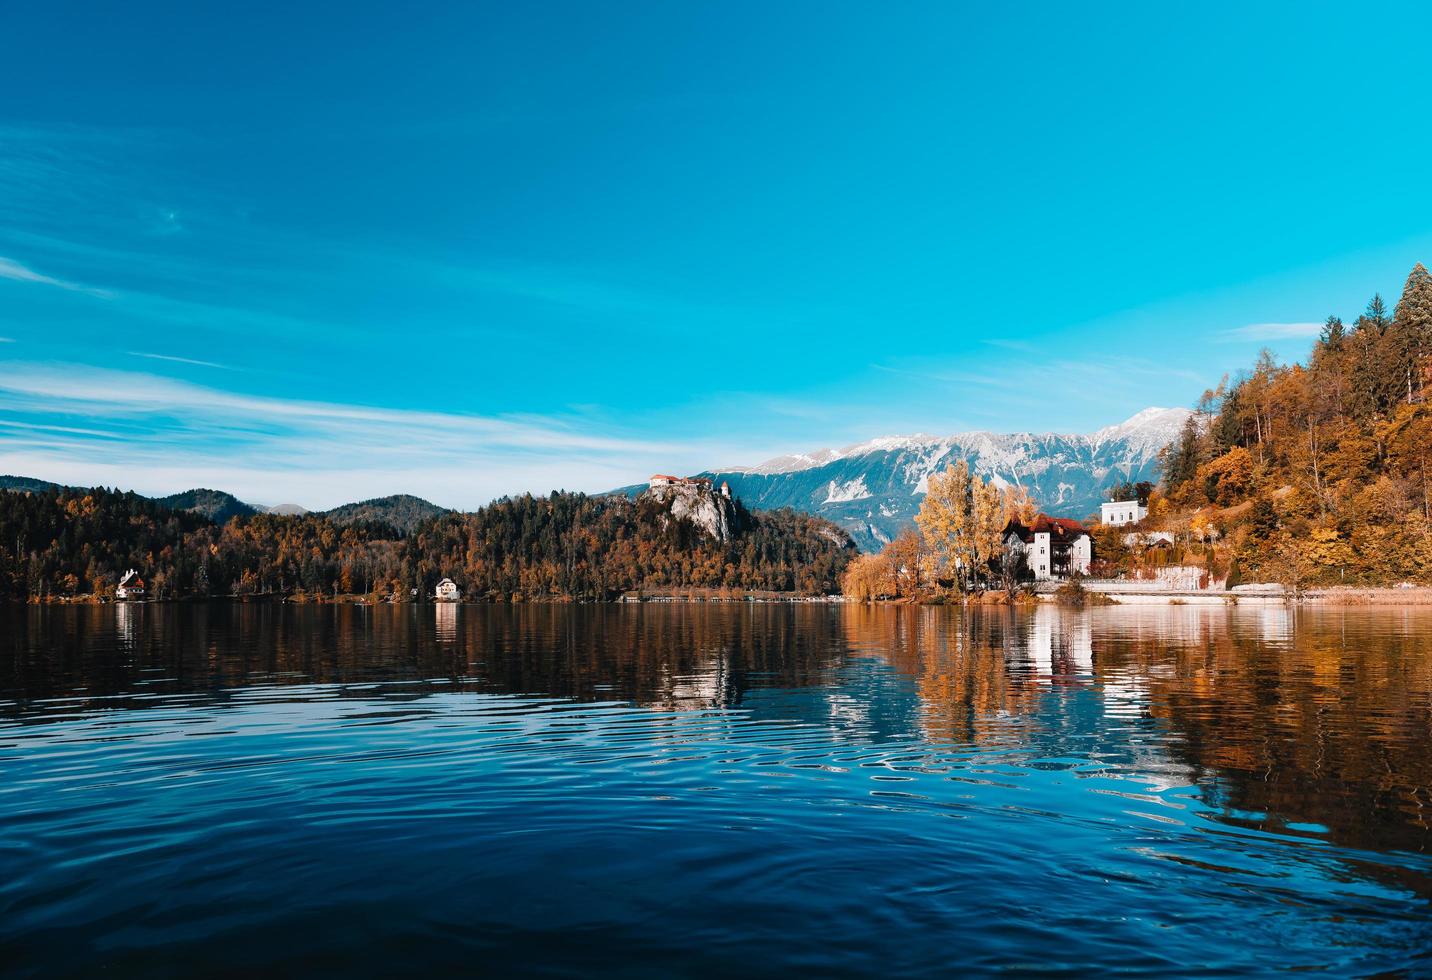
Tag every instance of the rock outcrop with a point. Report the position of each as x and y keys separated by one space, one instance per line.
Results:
x=697 y=501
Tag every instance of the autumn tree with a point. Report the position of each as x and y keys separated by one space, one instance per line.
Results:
x=945 y=520
x=867 y=578
x=1321 y=467
x=906 y=558
x=987 y=524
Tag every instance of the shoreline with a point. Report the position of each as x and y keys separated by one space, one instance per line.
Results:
x=1121 y=593
x=1109 y=593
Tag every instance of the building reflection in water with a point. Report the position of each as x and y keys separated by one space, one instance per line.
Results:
x=125 y=626
x=445 y=622
x=1316 y=715
x=1059 y=644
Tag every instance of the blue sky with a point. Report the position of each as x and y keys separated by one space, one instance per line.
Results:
x=461 y=250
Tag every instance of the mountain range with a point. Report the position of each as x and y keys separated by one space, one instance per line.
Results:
x=401 y=511
x=873 y=489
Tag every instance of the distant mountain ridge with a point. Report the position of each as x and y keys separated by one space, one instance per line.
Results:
x=216 y=505
x=26 y=483
x=873 y=489
x=402 y=511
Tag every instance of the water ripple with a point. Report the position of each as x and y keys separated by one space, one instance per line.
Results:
x=648 y=792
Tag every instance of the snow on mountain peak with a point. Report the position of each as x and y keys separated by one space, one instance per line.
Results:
x=874 y=488
x=1146 y=431
x=1151 y=428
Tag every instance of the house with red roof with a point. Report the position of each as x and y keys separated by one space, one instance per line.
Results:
x=1053 y=547
x=130 y=587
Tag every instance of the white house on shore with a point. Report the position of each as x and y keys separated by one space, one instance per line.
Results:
x=1118 y=512
x=131 y=586
x=447 y=591
x=1054 y=547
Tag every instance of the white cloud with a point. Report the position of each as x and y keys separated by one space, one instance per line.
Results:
x=1274 y=331
x=10 y=269
x=83 y=425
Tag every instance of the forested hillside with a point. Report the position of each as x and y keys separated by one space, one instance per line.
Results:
x=216 y=505
x=69 y=543
x=402 y=511
x=595 y=547
x=1313 y=472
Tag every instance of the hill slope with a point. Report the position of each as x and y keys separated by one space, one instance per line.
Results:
x=216 y=505
x=402 y=511
x=26 y=483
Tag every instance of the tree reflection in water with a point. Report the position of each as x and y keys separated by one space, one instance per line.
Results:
x=1311 y=716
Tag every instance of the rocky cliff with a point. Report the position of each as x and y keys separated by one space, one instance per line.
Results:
x=698 y=502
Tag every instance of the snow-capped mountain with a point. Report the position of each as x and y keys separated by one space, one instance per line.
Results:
x=873 y=489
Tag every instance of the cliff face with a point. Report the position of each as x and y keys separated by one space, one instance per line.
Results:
x=698 y=503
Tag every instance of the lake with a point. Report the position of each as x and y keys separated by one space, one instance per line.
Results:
x=701 y=790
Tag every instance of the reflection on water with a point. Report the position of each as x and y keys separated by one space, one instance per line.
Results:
x=667 y=788
x=445 y=619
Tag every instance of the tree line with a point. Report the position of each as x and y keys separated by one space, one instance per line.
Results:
x=1313 y=473
x=64 y=543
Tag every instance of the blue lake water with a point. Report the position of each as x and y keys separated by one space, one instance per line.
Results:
x=702 y=790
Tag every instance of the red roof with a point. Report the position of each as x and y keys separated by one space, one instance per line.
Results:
x=1060 y=528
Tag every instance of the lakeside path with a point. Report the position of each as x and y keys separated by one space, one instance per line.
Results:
x=1154 y=593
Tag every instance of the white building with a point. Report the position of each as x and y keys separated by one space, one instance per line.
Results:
x=667 y=480
x=131 y=586
x=1054 y=547
x=1119 y=512
x=447 y=591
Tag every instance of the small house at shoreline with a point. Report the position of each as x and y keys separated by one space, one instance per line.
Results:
x=1053 y=547
x=130 y=587
x=447 y=591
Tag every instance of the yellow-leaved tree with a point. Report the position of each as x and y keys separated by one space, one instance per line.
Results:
x=988 y=507
x=1019 y=505
x=962 y=520
x=868 y=578
x=944 y=519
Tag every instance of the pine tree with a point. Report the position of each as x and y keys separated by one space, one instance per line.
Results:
x=1334 y=332
x=1377 y=313
x=1412 y=322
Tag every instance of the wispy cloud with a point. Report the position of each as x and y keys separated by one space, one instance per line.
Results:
x=7 y=340
x=85 y=425
x=1273 y=331
x=180 y=360
x=10 y=269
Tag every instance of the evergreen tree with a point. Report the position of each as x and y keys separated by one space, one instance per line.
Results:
x=1412 y=322
x=1376 y=313
x=1180 y=459
x=1334 y=333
